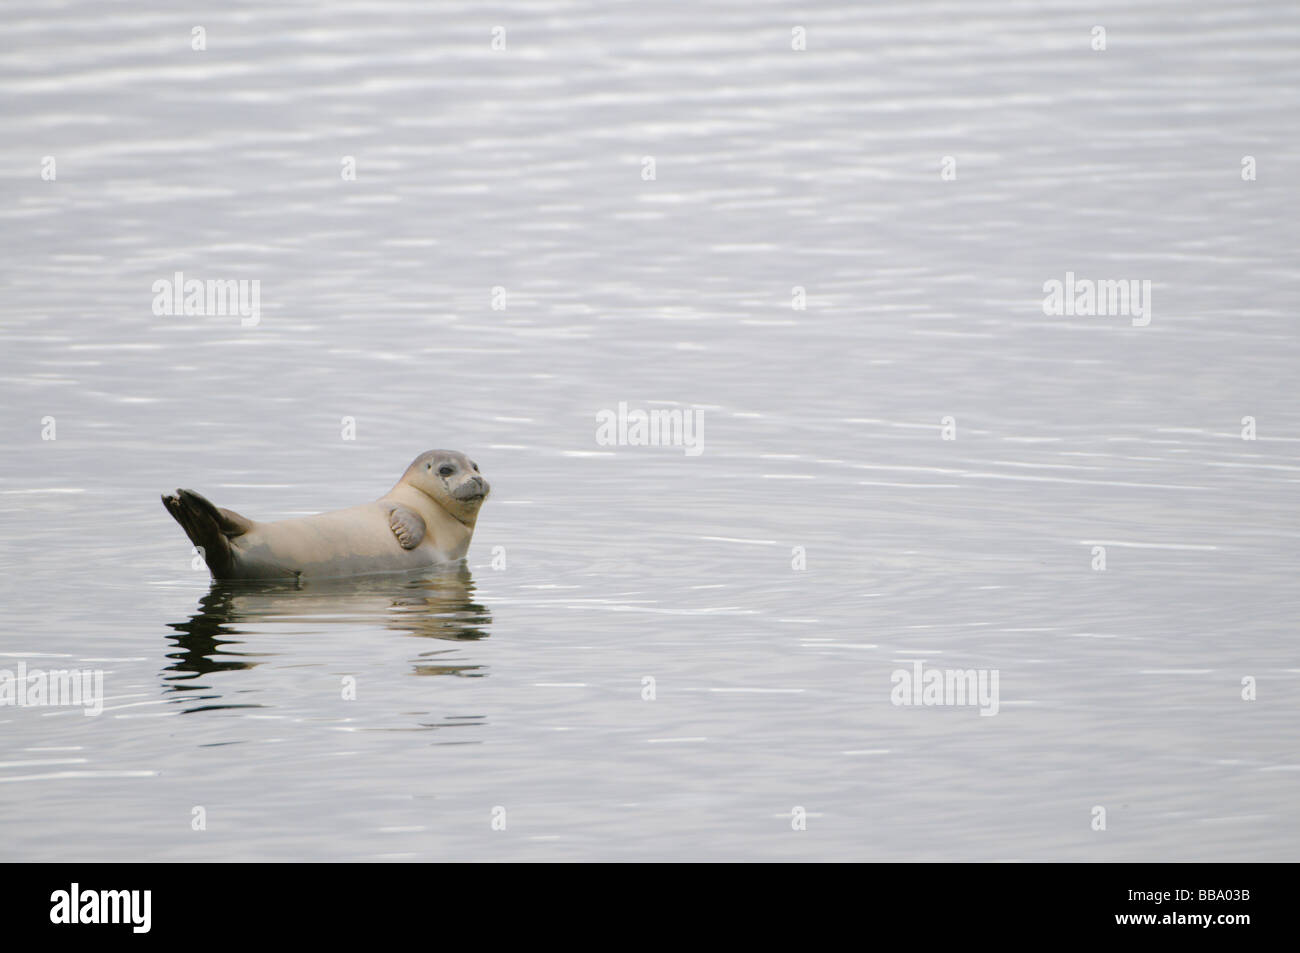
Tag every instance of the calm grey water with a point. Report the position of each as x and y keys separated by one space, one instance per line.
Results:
x=519 y=685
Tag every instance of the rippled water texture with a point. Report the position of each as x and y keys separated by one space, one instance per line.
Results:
x=519 y=689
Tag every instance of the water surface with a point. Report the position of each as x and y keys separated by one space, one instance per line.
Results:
x=519 y=682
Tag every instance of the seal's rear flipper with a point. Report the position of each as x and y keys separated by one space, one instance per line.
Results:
x=209 y=527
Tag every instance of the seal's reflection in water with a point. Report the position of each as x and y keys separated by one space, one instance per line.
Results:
x=434 y=605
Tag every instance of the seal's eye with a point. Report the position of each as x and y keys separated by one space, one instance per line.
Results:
x=446 y=470
x=474 y=465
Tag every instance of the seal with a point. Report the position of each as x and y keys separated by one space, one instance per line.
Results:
x=427 y=519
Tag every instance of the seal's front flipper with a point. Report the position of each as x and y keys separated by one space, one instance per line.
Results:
x=407 y=525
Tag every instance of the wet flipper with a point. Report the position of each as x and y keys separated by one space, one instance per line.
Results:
x=209 y=527
x=407 y=525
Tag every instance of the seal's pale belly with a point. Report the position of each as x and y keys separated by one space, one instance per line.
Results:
x=346 y=542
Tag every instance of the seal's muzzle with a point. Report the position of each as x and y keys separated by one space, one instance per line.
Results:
x=474 y=488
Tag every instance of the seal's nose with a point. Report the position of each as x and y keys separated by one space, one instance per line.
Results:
x=473 y=486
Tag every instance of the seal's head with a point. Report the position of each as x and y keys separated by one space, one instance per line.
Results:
x=452 y=480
